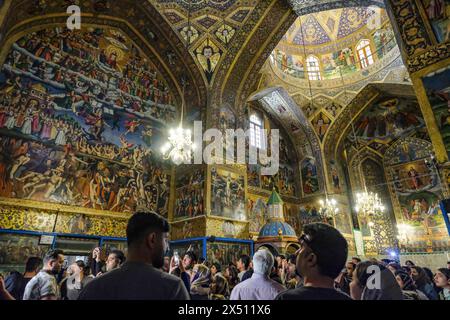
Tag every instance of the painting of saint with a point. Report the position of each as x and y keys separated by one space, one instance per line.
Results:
x=208 y=55
x=257 y=210
x=309 y=176
x=227 y=194
x=321 y=124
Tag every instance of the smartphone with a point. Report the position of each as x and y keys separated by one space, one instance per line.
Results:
x=176 y=258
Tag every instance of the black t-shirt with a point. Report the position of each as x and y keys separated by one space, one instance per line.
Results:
x=135 y=281
x=312 y=293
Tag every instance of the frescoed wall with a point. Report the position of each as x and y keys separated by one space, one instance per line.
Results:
x=81 y=117
x=227 y=194
x=190 y=188
x=437 y=87
x=416 y=194
x=438 y=14
x=310 y=181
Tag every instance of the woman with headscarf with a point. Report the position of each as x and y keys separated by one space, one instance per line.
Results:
x=231 y=274
x=373 y=281
x=423 y=283
x=409 y=289
x=219 y=288
x=200 y=281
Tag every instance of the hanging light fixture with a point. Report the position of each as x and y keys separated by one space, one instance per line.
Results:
x=179 y=147
x=328 y=208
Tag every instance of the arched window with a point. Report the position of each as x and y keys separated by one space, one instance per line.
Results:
x=312 y=64
x=364 y=53
x=257 y=138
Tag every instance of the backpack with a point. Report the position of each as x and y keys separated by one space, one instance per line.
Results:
x=14 y=284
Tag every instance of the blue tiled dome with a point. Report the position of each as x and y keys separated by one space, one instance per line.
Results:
x=271 y=229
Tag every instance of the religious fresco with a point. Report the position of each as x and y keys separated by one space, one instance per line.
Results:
x=384 y=40
x=335 y=177
x=283 y=181
x=310 y=180
x=81 y=115
x=226 y=252
x=437 y=88
x=321 y=123
x=309 y=213
x=208 y=55
x=257 y=212
x=188 y=229
x=15 y=249
x=438 y=13
x=227 y=194
x=291 y=216
x=389 y=119
x=190 y=197
x=416 y=191
x=181 y=248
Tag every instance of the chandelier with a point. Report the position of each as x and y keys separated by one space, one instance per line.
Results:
x=179 y=147
x=328 y=208
x=368 y=204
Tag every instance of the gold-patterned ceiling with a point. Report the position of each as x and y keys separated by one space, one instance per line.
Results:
x=207 y=27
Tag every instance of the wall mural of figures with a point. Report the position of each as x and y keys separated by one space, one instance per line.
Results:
x=227 y=194
x=309 y=213
x=190 y=193
x=384 y=40
x=416 y=191
x=310 y=181
x=81 y=115
x=257 y=212
x=336 y=177
x=388 y=119
x=226 y=252
x=284 y=181
x=291 y=216
x=438 y=13
x=321 y=123
x=437 y=86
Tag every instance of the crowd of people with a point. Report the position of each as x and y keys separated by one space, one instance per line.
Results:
x=319 y=270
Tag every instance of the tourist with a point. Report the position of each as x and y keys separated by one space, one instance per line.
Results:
x=16 y=282
x=216 y=268
x=345 y=277
x=4 y=294
x=321 y=257
x=200 y=282
x=290 y=278
x=189 y=260
x=97 y=264
x=43 y=286
x=219 y=288
x=409 y=263
x=373 y=281
x=275 y=274
x=259 y=286
x=139 y=278
x=231 y=274
x=356 y=260
x=423 y=283
x=115 y=259
x=409 y=289
x=243 y=265
x=79 y=278
x=442 y=281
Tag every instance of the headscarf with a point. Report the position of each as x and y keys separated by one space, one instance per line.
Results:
x=200 y=282
x=220 y=287
x=408 y=282
x=388 y=289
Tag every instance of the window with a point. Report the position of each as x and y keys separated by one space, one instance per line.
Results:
x=312 y=64
x=257 y=132
x=364 y=53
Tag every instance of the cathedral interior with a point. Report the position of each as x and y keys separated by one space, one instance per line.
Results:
x=358 y=90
